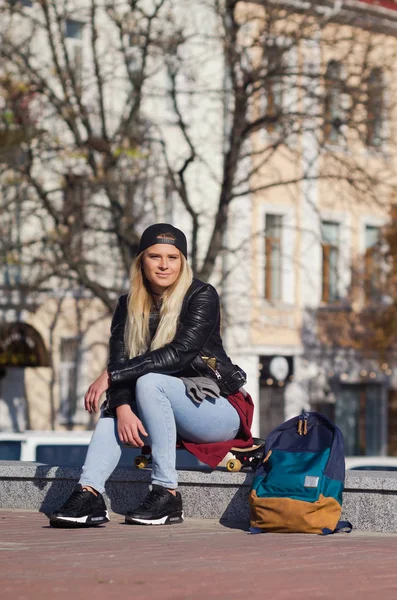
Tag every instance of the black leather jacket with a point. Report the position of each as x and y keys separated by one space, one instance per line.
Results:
x=195 y=351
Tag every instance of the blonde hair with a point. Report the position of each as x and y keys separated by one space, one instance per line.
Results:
x=140 y=303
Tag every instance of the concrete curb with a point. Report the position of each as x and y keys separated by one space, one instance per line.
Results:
x=370 y=498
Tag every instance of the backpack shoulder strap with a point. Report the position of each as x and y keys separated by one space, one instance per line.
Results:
x=344 y=526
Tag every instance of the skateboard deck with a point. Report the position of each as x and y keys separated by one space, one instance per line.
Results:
x=243 y=457
x=246 y=457
x=249 y=449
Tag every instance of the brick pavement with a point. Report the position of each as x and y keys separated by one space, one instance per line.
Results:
x=200 y=559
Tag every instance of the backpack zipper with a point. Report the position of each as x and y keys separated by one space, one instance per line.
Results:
x=302 y=423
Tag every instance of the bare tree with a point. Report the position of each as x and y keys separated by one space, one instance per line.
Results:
x=79 y=172
x=306 y=102
x=88 y=159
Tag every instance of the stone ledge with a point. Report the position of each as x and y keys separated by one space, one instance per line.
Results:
x=370 y=498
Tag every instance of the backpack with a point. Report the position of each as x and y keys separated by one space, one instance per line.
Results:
x=298 y=486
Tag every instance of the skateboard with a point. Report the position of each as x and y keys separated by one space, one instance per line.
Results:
x=143 y=460
x=243 y=457
x=246 y=457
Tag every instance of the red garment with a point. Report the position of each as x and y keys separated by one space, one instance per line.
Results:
x=213 y=453
x=390 y=4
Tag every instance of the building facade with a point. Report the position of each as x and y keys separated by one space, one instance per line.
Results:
x=316 y=245
x=303 y=242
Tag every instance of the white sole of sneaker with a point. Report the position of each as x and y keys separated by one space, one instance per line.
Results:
x=98 y=520
x=168 y=520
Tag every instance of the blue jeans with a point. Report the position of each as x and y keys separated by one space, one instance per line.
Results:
x=165 y=410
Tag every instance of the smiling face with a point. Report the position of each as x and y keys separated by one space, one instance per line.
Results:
x=161 y=264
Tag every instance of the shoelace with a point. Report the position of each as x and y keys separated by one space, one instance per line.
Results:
x=74 y=500
x=151 y=499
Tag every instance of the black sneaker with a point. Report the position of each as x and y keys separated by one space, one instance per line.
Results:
x=160 y=507
x=81 y=509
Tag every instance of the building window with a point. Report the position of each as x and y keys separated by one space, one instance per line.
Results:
x=273 y=229
x=77 y=64
x=274 y=93
x=73 y=212
x=68 y=377
x=74 y=29
x=74 y=32
x=11 y=223
x=330 y=249
x=360 y=412
x=23 y=2
x=375 y=108
x=333 y=108
x=134 y=54
x=372 y=264
x=12 y=273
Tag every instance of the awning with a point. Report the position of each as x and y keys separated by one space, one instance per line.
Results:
x=22 y=346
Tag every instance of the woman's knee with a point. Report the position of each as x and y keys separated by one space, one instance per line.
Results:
x=150 y=381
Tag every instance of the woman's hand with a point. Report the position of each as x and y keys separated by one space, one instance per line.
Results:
x=95 y=391
x=129 y=426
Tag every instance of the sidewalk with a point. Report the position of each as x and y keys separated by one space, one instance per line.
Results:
x=199 y=559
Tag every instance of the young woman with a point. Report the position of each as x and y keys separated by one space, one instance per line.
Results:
x=168 y=375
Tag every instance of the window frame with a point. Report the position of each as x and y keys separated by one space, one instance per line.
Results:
x=79 y=36
x=372 y=254
x=371 y=221
x=376 y=106
x=344 y=268
x=270 y=243
x=274 y=89
x=66 y=416
x=327 y=248
x=74 y=207
x=25 y=3
x=332 y=135
x=288 y=243
x=286 y=82
x=75 y=52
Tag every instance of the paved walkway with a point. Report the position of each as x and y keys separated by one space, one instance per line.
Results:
x=199 y=559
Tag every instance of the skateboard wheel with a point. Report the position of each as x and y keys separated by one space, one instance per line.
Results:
x=233 y=465
x=141 y=462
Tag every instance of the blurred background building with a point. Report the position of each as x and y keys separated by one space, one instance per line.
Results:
x=266 y=130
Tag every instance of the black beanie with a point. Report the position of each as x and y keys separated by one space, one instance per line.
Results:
x=150 y=237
